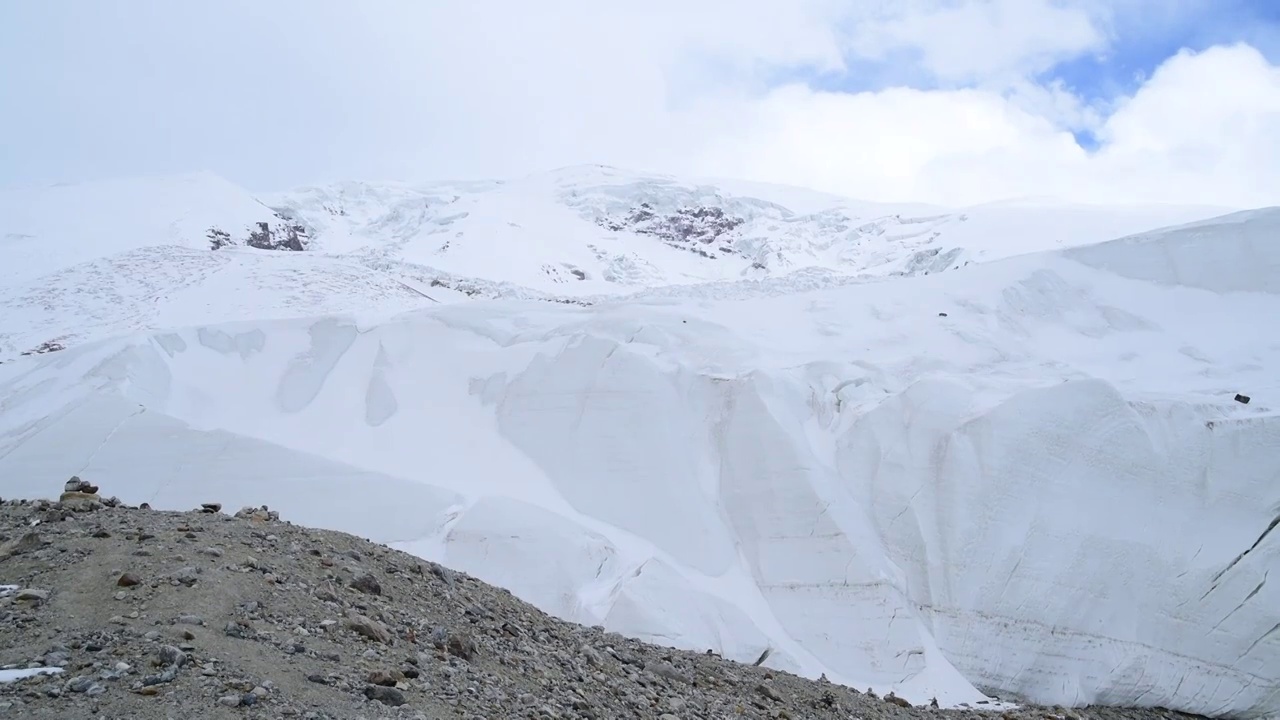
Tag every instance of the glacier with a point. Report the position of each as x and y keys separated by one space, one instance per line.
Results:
x=1027 y=477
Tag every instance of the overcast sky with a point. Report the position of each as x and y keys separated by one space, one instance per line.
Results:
x=950 y=101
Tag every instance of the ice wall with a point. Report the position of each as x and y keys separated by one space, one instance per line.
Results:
x=1046 y=491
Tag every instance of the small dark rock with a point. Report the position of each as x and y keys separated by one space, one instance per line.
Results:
x=80 y=684
x=128 y=580
x=385 y=695
x=187 y=575
x=210 y=507
x=367 y=584
x=767 y=691
x=75 y=484
x=1242 y=399
x=171 y=656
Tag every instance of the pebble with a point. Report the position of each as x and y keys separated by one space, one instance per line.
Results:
x=229 y=700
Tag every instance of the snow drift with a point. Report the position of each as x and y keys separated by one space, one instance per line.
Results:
x=1028 y=476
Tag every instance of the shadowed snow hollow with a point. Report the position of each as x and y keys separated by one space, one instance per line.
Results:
x=1029 y=475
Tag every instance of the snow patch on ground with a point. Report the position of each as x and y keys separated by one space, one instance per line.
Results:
x=8 y=676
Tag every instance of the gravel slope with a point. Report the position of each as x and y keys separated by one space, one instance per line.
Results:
x=204 y=614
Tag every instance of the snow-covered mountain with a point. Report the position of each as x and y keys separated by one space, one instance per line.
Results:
x=82 y=262
x=1029 y=474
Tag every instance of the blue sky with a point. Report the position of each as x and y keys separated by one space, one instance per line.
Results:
x=1144 y=41
x=1141 y=36
x=807 y=92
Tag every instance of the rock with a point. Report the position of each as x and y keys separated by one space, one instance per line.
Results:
x=210 y=507
x=669 y=671
x=385 y=695
x=367 y=584
x=29 y=542
x=1242 y=399
x=190 y=620
x=381 y=677
x=80 y=502
x=229 y=700
x=32 y=595
x=80 y=684
x=248 y=699
x=185 y=575
x=128 y=580
x=768 y=691
x=57 y=659
x=239 y=629
x=262 y=514
x=76 y=485
x=212 y=552
x=460 y=645
x=171 y=656
x=369 y=628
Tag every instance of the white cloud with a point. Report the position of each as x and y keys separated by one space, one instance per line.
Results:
x=1204 y=129
x=297 y=91
x=981 y=41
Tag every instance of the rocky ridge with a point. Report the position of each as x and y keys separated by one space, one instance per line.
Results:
x=703 y=229
x=285 y=235
x=111 y=611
